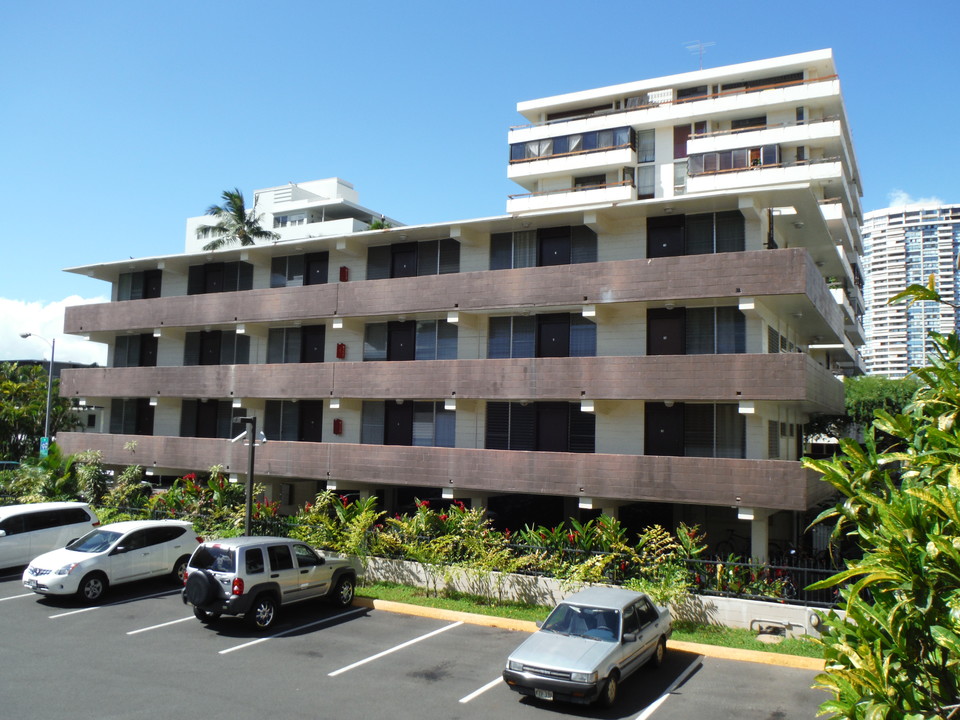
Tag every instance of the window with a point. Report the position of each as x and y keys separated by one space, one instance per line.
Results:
x=410 y=340
x=546 y=246
x=216 y=347
x=424 y=424
x=280 y=557
x=674 y=235
x=751 y=123
x=253 y=559
x=714 y=431
x=139 y=285
x=594 y=141
x=135 y=351
x=219 y=277
x=210 y=419
x=296 y=345
x=589 y=182
x=541 y=335
x=720 y=330
x=431 y=257
x=646 y=146
x=542 y=426
x=293 y=421
x=305 y=556
x=131 y=417
x=762 y=83
x=738 y=159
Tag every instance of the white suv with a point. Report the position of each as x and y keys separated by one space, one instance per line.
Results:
x=254 y=576
x=113 y=554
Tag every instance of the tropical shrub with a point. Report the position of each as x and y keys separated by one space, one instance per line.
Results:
x=896 y=653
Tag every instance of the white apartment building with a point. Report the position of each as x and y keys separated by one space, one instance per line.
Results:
x=644 y=332
x=904 y=246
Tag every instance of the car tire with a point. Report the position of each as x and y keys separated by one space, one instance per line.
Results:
x=344 y=590
x=656 y=660
x=199 y=588
x=608 y=696
x=92 y=587
x=180 y=568
x=205 y=616
x=263 y=612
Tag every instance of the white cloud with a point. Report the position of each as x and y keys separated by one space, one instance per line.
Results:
x=898 y=197
x=46 y=321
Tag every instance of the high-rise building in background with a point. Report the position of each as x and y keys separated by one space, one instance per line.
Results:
x=904 y=246
x=644 y=332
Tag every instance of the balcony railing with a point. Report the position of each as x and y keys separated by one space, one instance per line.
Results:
x=676 y=101
x=755 y=128
x=757 y=166
x=578 y=188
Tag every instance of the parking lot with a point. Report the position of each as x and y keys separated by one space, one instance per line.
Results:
x=141 y=653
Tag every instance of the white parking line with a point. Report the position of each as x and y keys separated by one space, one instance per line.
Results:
x=652 y=707
x=161 y=625
x=122 y=602
x=358 y=611
x=76 y=612
x=393 y=649
x=481 y=691
x=14 y=597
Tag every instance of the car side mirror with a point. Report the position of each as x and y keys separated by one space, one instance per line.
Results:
x=629 y=637
x=119 y=550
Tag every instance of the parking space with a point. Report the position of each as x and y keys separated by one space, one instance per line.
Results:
x=142 y=650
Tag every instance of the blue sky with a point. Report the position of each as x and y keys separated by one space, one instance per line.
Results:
x=121 y=119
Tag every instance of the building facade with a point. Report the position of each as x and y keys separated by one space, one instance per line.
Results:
x=904 y=246
x=644 y=332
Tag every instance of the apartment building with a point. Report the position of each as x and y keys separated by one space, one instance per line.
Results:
x=644 y=332
x=904 y=246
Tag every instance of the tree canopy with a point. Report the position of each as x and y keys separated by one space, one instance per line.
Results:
x=23 y=407
x=235 y=224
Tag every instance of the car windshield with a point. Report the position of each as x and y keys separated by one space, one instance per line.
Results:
x=214 y=557
x=94 y=541
x=584 y=621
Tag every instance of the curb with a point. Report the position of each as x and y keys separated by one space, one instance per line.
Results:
x=714 y=651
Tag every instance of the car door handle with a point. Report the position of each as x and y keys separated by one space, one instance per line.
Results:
x=275 y=575
x=305 y=571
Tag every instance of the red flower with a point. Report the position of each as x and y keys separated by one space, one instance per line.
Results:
x=308 y=506
x=444 y=517
x=344 y=500
x=571 y=537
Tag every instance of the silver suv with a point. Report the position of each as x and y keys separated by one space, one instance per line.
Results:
x=254 y=576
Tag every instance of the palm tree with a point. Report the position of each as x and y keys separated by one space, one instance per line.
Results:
x=234 y=223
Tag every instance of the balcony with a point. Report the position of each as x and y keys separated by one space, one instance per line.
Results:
x=712 y=481
x=826 y=133
x=572 y=197
x=784 y=277
x=571 y=163
x=785 y=377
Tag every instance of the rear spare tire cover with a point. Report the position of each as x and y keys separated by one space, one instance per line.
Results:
x=199 y=587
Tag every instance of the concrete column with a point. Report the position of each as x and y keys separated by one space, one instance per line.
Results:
x=759 y=531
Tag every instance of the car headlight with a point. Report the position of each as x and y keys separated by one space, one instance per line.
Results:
x=515 y=665
x=583 y=677
x=66 y=569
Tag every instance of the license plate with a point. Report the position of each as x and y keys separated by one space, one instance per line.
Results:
x=31 y=583
x=543 y=694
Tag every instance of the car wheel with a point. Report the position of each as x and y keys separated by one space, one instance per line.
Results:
x=92 y=587
x=180 y=568
x=660 y=653
x=343 y=592
x=199 y=588
x=263 y=612
x=204 y=616
x=608 y=696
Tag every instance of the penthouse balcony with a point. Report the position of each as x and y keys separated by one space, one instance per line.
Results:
x=771 y=484
x=788 y=378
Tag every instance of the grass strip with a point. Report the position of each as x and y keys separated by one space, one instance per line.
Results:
x=687 y=632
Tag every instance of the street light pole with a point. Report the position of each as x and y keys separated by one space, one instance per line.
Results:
x=251 y=423
x=53 y=350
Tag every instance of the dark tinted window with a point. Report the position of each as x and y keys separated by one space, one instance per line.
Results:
x=158 y=535
x=12 y=525
x=211 y=557
x=305 y=556
x=280 y=557
x=254 y=561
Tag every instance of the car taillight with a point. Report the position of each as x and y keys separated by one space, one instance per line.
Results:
x=185 y=573
x=238 y=586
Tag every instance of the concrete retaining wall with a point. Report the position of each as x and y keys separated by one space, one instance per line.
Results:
x=730 y=612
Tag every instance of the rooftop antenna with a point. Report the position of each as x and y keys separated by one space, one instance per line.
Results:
x=698 y=46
